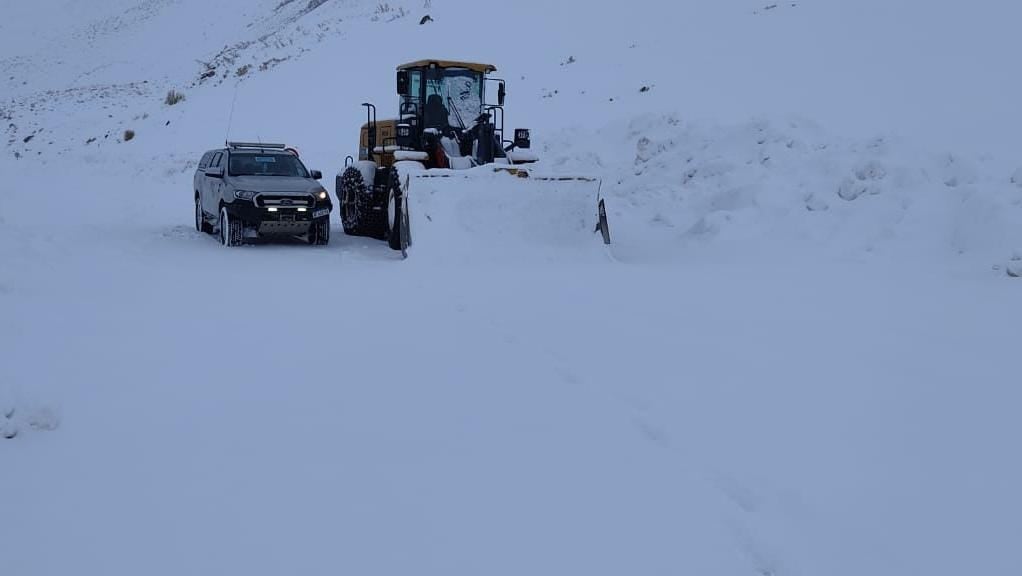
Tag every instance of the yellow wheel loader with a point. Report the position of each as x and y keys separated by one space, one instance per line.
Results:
x=446 y=128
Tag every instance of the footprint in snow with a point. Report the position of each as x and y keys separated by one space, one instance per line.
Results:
x=652 y=432
x=816 y=204
x=1016 y=178
x=13 y=421
x=739 y=494
x=43 y=419
x=8 y=428
x=1014 y=267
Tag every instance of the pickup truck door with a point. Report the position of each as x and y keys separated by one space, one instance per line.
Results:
x=199 y=180
x=211 y=189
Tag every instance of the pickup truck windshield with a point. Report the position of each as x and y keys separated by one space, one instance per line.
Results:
x=267 y=165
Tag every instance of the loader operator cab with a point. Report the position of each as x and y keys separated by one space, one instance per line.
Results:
x=444 y=112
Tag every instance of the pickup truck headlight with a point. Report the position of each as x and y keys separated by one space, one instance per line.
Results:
x=322 y=195
x=244 y=194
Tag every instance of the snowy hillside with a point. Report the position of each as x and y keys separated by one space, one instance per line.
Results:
x=797 y=358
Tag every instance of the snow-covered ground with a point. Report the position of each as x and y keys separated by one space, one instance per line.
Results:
x=798 y=357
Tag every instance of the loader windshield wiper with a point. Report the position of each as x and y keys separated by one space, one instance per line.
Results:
x=457 y=113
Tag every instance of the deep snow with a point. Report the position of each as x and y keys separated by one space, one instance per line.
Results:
x=798 y=357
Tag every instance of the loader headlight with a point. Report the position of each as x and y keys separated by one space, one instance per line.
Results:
x=523 y=138
x=404 y=135
x=244 y=194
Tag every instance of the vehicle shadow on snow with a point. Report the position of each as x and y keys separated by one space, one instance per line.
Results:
x=340 y=243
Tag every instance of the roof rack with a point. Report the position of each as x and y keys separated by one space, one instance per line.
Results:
x=256 y=145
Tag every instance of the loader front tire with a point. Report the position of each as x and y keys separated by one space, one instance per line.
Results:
x=352 y=192
x=394 y=215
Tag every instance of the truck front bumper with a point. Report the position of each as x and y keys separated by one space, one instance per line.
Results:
x=279 y=221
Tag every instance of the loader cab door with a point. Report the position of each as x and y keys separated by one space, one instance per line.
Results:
x=434 y=105
x=411 y=97
x=410 y=107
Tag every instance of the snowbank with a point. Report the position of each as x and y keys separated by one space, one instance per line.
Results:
x=774 y=188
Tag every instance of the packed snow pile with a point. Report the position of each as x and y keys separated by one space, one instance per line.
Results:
x=790 y=186
x=483 y=216
x=679 y=190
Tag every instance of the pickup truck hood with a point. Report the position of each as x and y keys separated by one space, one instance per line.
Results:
x=275 y=184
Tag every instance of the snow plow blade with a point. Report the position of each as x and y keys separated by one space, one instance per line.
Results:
x=503 y=207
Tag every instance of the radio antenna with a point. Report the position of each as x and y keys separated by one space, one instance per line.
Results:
x=230 y=119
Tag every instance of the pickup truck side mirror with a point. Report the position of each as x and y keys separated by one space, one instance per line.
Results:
x=316 y=174
x=215 y=172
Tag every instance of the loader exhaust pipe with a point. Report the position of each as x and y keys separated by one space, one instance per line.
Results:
x=371 y=122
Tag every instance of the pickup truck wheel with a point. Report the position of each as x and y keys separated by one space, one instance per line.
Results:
x=319 y=235
x=230 y=229
x=200 y=219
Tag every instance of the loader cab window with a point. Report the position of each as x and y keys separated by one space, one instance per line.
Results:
x=454 y=97
x=415 y=84
x=411 y=104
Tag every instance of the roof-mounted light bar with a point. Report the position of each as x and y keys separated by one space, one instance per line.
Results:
x=256 y=145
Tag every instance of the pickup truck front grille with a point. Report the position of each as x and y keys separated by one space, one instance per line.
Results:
x=285 y=200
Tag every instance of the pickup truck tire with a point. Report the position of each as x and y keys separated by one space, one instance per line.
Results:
x=200 y=219
x=319 y=234
x=230 y=230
